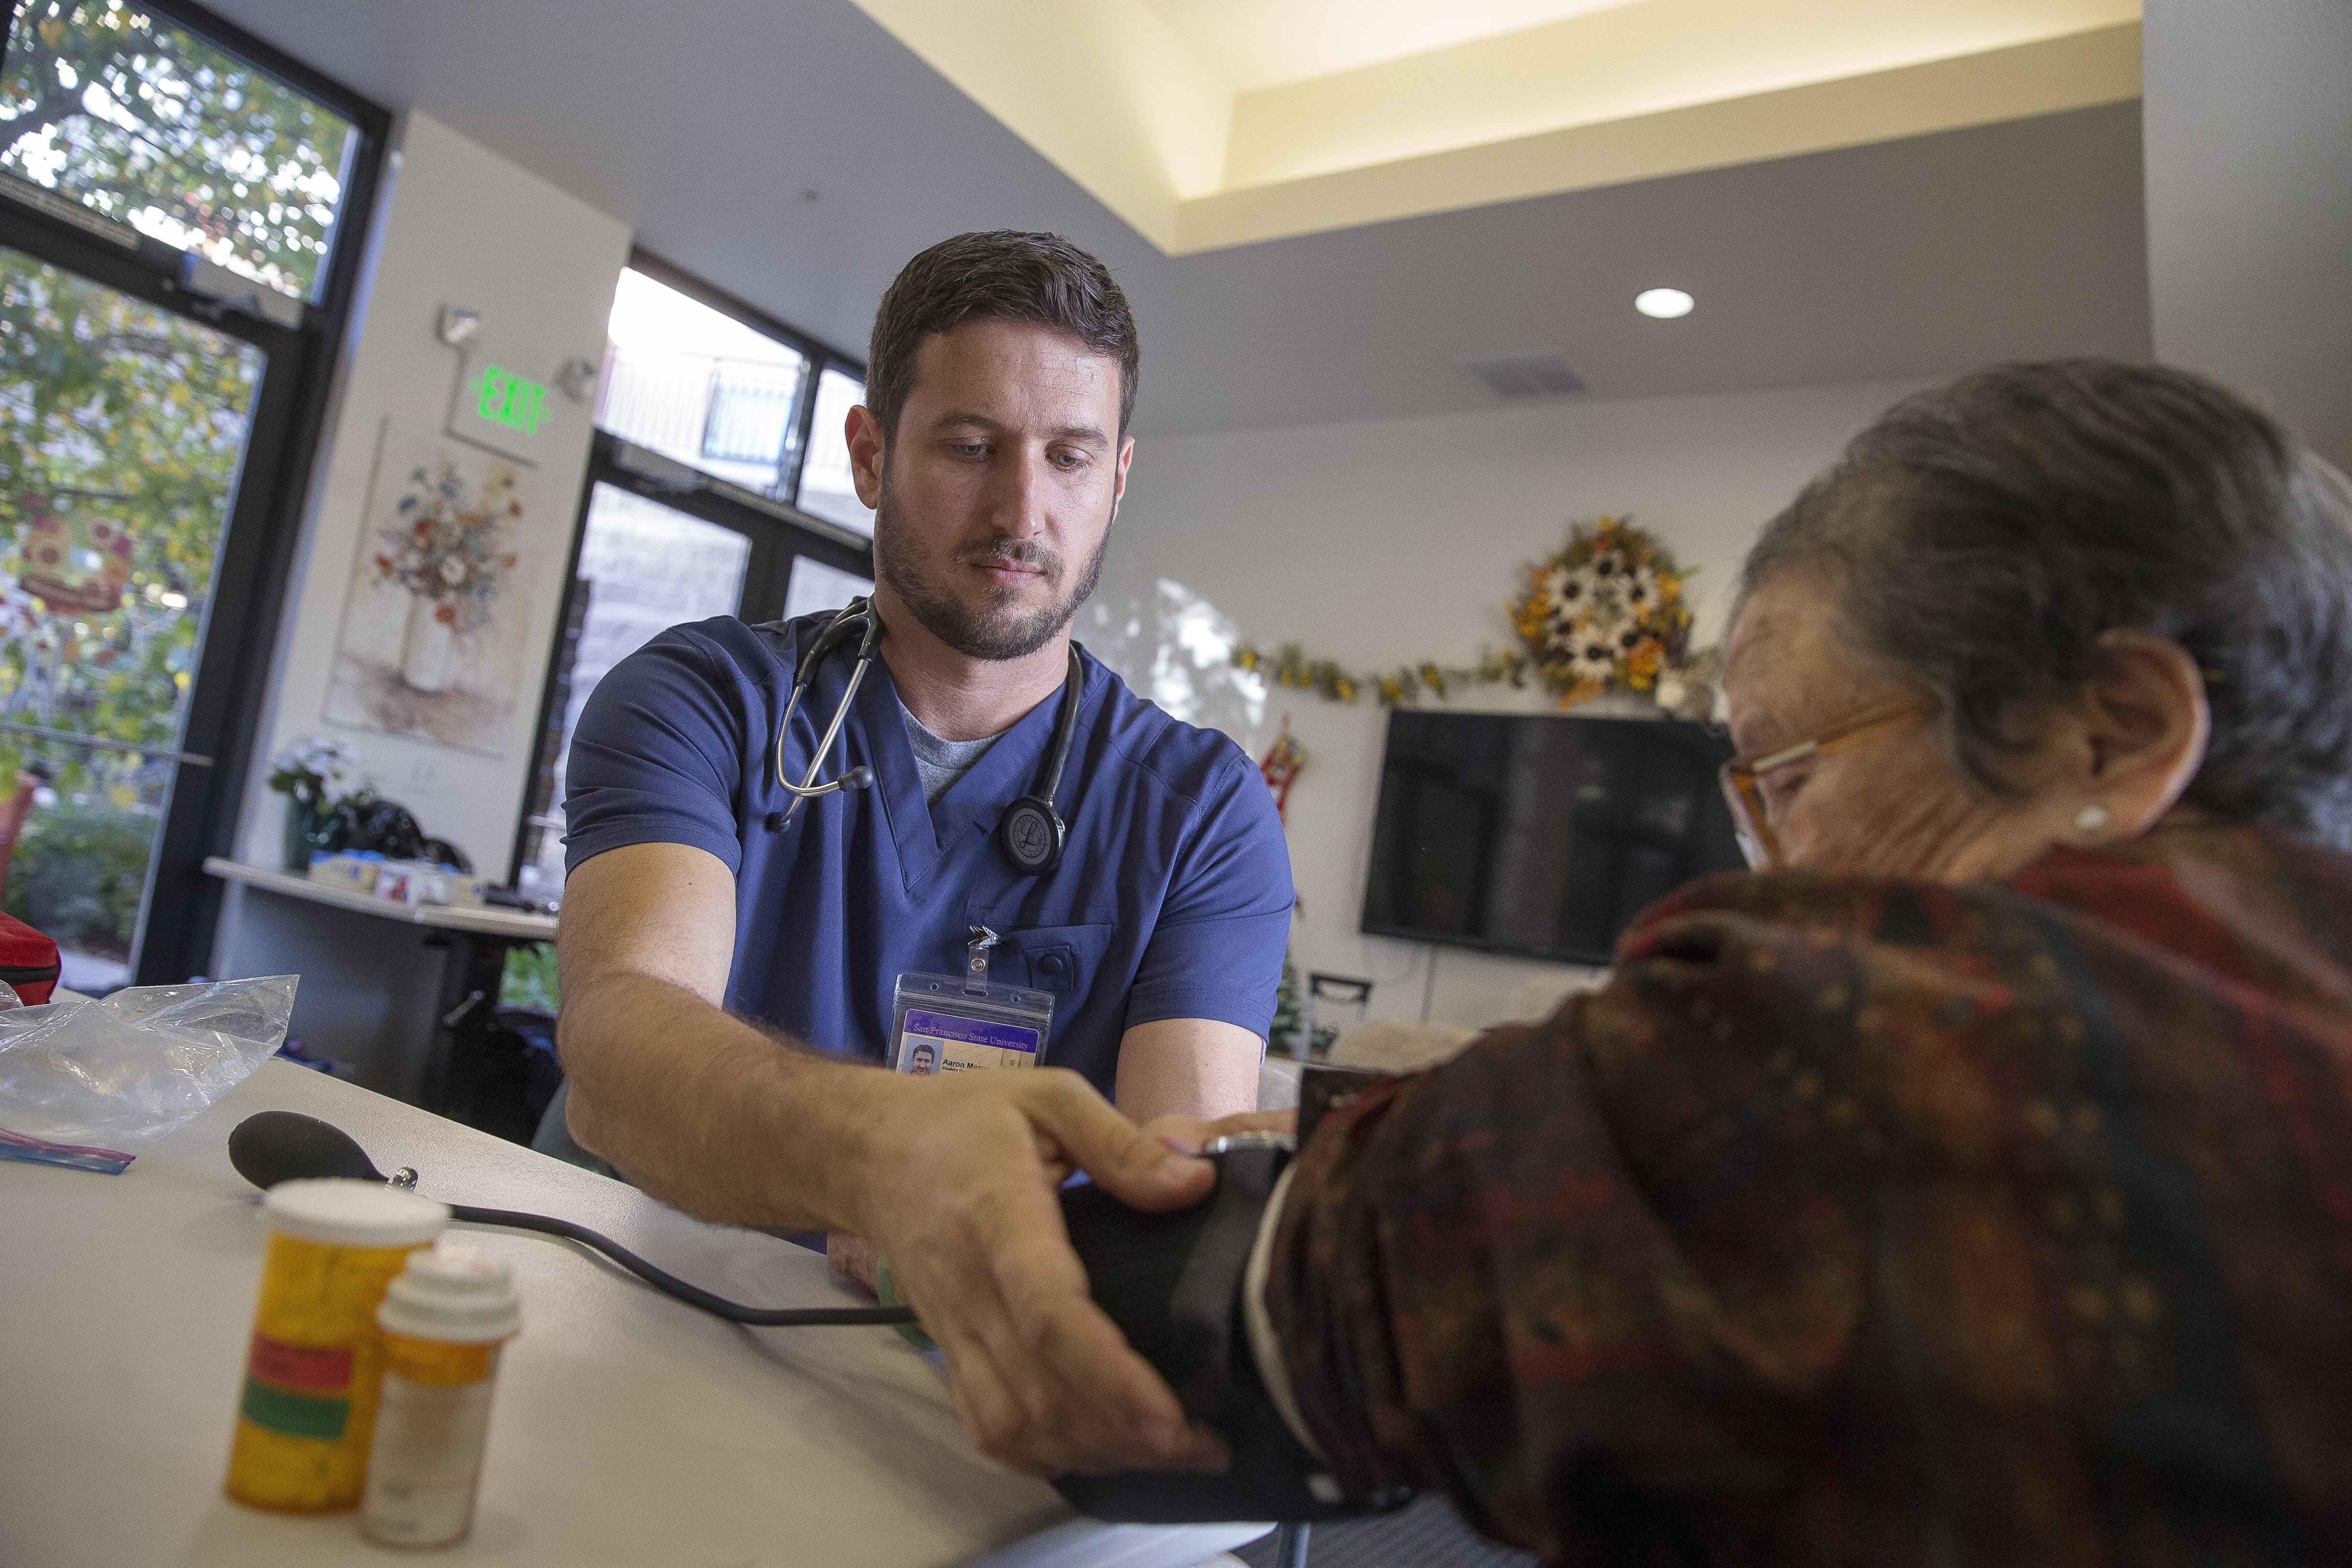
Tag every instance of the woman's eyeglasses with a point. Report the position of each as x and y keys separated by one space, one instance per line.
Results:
x=1749 y=814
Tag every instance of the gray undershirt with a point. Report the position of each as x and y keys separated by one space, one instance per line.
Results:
x=941 y=763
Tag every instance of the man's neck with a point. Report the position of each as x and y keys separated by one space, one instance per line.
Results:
x=955 y=696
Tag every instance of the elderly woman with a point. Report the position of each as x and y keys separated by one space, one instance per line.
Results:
x=1973 y=1183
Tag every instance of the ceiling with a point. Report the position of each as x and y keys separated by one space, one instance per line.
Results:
x=1249 y=44
x=1206 y=123
x=795 y=153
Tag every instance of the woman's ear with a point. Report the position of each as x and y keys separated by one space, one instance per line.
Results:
x=2145 y=724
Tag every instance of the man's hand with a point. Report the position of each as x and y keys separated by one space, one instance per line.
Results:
x=953 y=1178
x=956 y=1182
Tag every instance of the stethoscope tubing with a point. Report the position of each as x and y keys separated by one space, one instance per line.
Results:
x=836 y=632
x=861 y=611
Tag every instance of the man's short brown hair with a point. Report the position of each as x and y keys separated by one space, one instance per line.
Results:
x=1009 y=276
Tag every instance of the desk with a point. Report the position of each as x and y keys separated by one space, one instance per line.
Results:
x=514 y=925
x=629 y=1429
x=436 y=1064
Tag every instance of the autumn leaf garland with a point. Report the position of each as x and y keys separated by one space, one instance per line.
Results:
x=1605 y=613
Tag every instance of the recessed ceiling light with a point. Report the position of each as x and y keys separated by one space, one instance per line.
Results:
x=1666 y=304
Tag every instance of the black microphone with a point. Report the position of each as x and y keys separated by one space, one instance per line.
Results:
x=273 y=1146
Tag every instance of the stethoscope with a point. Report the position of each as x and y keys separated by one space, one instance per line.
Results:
x=1031 y=832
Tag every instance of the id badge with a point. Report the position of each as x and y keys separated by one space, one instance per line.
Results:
x=955 y=1022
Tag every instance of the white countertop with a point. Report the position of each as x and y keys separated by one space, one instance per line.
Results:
x=445 y=917
x=628 y=1428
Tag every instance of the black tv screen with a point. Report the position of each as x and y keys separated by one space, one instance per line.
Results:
x=1539 y=835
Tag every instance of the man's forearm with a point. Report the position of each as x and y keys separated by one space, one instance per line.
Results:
x=709 y=1114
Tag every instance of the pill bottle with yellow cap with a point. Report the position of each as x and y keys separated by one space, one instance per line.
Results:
x=444 y=1319
x=312 y=1367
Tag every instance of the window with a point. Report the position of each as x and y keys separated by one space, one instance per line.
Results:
x=731 y=395
x=697 y=385
x=825 y=487
x=111 y=107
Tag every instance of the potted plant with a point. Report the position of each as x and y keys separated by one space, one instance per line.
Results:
x=316 y=775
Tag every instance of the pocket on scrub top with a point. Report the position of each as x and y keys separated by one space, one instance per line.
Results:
x=1060 y=959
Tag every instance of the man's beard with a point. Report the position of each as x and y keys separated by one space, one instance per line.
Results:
x=978 y=626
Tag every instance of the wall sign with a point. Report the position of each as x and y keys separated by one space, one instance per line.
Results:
x=513 y=401
x=500 y=407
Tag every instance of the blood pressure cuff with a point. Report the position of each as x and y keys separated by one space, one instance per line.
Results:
x=1172 y=1283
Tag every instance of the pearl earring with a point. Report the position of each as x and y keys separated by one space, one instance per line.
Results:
x=2092 y=818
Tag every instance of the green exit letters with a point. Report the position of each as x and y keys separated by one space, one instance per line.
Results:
x=513 y=401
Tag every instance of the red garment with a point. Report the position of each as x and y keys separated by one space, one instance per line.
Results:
x=1873 y=1222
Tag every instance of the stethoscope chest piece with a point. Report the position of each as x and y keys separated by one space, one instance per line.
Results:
x=1031 y=834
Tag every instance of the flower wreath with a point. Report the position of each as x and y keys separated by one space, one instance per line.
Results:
x=1604 y=614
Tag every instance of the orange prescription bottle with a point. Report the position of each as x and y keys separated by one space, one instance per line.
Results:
x=312 y=1367
x=444 y=1319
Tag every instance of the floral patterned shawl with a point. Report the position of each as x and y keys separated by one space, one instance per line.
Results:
x=1873 y=1222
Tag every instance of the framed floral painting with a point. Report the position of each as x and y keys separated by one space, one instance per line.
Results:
x=442 y=586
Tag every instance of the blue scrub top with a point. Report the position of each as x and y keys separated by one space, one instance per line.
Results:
x=1173 y=899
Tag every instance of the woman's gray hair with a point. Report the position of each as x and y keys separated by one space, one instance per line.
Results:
x=1980 y=538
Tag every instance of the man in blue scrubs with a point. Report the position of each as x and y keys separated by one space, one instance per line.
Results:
x=993 y=448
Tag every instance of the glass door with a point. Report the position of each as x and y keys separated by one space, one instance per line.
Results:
x=124 y=437
x=179 y=208
x=706 y=496
x=643 y=567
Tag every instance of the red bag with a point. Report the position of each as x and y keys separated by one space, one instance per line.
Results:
x=28 y=961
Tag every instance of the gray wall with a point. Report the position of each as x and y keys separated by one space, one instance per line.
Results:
x=2248 y=138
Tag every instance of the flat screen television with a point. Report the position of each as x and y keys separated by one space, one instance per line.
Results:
x=1539 y=835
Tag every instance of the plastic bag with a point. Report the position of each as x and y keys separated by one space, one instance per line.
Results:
x=81 y=1081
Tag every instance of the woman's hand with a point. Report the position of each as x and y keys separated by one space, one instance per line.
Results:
x=852 y=1257
x=1189 y=1137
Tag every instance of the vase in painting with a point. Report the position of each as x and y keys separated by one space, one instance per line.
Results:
x=424 y=650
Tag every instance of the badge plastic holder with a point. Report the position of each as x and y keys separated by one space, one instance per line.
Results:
x=956 y=1023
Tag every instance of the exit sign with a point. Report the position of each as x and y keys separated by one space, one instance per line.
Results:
x=511 y=400
x=500 y=407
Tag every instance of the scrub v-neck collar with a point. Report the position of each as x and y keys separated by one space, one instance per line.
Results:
x=922 y=832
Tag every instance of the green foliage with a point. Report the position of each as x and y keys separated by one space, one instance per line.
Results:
x=78 y=874
x=529 y=978
x=1290 y=1017
x=124 y=411
x=113 y=409
x=1287 y=1015
x=159 y=130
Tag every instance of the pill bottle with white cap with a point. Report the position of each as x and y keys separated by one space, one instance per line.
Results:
x=444 y=1319
x=308 y=1403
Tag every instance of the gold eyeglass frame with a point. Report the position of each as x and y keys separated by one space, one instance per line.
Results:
x=1758 y=842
